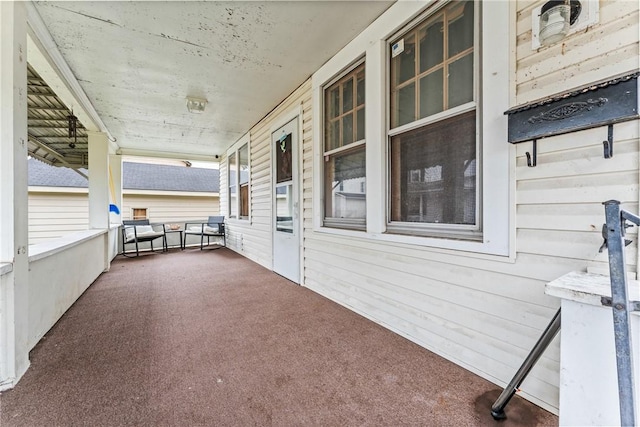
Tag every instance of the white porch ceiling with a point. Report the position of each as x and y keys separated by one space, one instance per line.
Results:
x=138 y=61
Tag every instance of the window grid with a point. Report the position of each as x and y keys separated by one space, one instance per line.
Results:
x=344 y=149
x=139 y=213
x=243 y=180
x=335 y=119
x=233 y=180
x=446 y=15
x=239 y=169
x=445 y=37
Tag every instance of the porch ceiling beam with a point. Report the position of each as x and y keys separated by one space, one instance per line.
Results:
x=164 y=154
x=48 y=109
x=61 y=147
x=31 y=118
x=47 y=94
x=52 y=127
x=47 y=127
x=40 y=157
x=47 y=160
x=54 y=154
x=58 y=136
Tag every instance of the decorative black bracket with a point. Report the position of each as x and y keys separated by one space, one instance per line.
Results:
x=532 y=160
x=600 y=104
x=608 y=144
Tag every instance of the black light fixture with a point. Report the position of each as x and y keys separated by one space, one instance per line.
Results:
x=556 y=16
x=73 y=129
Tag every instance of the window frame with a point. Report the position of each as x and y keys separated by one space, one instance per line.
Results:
x=444 y=230
x=133 y=213
x=234 y=150
x=497 y=90
x=356 y=224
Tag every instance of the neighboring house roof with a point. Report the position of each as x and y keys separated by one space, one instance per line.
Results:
x=135 y=176
x=147 y=176
x=43 y=175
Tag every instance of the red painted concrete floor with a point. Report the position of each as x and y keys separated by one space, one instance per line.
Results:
x=208 y=338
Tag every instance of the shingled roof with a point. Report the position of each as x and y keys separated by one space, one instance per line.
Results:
x=135 y=176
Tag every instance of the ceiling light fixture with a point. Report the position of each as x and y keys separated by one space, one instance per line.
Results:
x=196 y=105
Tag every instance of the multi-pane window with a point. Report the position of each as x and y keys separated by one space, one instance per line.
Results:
x=139 y=213
x=344 y=151
x=243 y=180
x=233 y=185
x=433 y=140
x=238 y=161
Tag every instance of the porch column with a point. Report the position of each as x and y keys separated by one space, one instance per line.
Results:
x=14 y=257
x=115 y=188
x=98 y=180
x=99 y=187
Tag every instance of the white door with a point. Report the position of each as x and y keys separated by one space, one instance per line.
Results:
x=286 y=233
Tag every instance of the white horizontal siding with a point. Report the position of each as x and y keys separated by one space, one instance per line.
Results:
x=481 y=318
x=174 y=208
x=486 y=315
x=56 y=214
x=482 y=312
x=53 y=215
x=596 y=53
x=254 y=238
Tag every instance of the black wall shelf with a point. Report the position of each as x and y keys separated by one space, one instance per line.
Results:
x=600 y=104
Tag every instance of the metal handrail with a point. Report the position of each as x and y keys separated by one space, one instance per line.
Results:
x=497 y=409
x=613 y=232
x=621 y=306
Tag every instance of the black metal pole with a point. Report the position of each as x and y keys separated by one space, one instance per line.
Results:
x=497 y=410
x=621 y=309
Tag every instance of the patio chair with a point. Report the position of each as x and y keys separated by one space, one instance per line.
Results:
x=214 y=227
x=140 y=230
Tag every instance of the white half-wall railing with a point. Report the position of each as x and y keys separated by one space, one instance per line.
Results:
x=60 y=271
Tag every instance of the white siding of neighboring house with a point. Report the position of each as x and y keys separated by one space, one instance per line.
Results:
x=55 y=212
x=170 y=207
x=482 y=312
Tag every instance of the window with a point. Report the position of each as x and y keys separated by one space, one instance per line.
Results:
x=439 y=171
x=233 y=185
x=243 y=180
x=433 y=138
x=139 y=213
x=344 y=151
x=238 y=163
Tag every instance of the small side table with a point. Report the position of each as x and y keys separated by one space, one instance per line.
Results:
x=180 y=231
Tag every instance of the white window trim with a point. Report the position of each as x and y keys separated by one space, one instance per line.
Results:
x=356 y=225
x=235 y=148
x=497 y=188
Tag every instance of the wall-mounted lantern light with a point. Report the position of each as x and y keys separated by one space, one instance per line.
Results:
x=556 y=16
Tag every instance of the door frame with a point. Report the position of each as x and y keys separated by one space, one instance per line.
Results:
x=280 y=121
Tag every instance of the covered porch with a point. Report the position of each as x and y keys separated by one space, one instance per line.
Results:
x=210 y=338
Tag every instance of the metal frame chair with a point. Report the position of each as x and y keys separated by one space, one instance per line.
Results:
x=132 y=233
x=214 y=227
